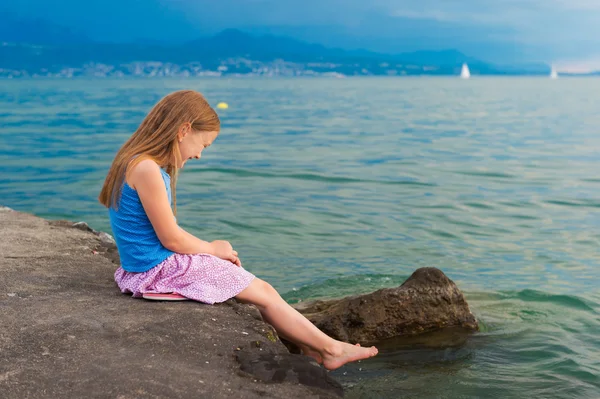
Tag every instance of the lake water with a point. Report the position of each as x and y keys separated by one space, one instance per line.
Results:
x=329 y=187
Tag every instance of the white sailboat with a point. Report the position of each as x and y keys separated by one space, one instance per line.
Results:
x=464 y=72
x=553 y=73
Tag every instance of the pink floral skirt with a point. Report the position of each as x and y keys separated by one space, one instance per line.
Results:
x=201 y=277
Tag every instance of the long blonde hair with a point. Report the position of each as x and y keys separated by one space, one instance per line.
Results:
x=156 y=138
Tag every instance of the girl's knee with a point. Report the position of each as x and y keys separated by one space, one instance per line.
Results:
x=267 y=288
x=259 y=293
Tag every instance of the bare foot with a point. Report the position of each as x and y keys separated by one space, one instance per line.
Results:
x=346 y=353
x=312 y=353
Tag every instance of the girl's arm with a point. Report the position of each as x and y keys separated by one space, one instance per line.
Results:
x=147 y=180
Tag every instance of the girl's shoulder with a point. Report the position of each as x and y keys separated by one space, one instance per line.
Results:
x=144 y=169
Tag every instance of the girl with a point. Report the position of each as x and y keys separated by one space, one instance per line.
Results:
x=158 y=256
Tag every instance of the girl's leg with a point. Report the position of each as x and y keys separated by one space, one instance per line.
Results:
x=292 y=325
x=308 y=351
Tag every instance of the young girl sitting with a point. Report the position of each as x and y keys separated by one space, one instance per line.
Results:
x=158 y=256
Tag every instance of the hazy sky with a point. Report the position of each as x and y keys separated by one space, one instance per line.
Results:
x=536 y=30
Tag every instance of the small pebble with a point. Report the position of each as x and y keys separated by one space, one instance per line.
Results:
x=207 y=362
x=214 y=319
x=244 y=332
x=12 y=294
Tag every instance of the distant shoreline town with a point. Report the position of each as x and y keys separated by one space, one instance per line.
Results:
x=234 y=68
x=235 y=53
x=243 y=67
x=277 y=68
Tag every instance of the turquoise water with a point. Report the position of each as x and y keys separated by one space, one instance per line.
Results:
x=330 y=187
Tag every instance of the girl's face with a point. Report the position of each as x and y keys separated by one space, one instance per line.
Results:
x=192 y=142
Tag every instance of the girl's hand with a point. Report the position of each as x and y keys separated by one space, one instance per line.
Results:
x=223 y=249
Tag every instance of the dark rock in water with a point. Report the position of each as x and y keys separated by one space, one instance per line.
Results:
x=427 y=301
x=67 y=332
x=283 y=367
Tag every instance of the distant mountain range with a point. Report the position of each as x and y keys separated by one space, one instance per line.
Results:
x=42 y=49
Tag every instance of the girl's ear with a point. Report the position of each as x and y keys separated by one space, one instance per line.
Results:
x=184 y=129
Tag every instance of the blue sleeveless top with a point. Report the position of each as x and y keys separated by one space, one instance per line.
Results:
x=139 y=247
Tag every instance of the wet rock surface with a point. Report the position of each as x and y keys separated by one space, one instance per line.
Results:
x=287 y=367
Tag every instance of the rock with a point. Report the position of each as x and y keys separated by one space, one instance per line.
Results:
x=67 y=331
x=427 y=301
x=106 y=238
x=283 y=367
x=5 y=209
x=83 y=226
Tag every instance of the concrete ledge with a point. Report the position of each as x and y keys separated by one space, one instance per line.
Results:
x=67 y=331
